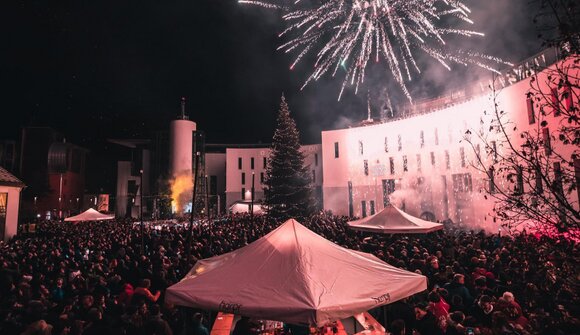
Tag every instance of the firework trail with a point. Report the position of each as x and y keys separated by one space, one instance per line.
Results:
x=348 y=34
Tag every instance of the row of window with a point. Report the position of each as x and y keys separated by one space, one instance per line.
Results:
x=418 y=158
x=244 y=178
x=539 y=186
x=462 y=157
x=556 y=103
x=399 y=143
x=264 y=163
x=462 y=183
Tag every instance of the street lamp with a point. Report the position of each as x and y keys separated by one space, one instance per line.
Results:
x=207 y=197
x=208 y=216
x=141 y=211
x=190 y=231
x=252 y=203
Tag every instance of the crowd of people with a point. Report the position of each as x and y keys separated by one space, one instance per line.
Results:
x=97 y=277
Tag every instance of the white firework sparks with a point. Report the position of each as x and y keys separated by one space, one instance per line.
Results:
x=349 y=33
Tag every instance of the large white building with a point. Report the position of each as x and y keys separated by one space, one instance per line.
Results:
x=423 y=163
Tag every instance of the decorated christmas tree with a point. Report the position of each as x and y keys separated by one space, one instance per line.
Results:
x=288 y=186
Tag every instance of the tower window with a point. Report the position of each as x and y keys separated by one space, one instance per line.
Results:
x=531 y=114
x=555 y=101
x=547 y=140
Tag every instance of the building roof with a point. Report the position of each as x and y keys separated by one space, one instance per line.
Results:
x=8 y=179
x=129 y=143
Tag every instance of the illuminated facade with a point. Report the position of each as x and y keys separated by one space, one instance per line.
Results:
x=421 y=161
x=242 y=163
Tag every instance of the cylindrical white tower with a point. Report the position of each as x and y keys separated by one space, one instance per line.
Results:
x=181 y=137
x=181 y=143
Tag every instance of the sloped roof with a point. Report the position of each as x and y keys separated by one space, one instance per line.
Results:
x=8 y=179
x=244 y=207
x=296 y=276
x=392 y=220
x=90 y=215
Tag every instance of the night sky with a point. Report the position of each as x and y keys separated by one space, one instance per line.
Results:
x=117 y=69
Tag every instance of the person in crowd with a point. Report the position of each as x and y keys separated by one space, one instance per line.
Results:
x=439 y=308
x=198 y=328
x=483 y=310
x=156 y=325
x=481 y=287
x=142 y=292
x=126 y=294
x=36 y=325
x=455 y=324
x=402 y=310
x=425 y=321
x=95 y=324
x=245 y=326
x=57 y=293
x=57 y=277
x=457 y=288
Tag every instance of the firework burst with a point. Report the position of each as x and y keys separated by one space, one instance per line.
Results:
x=349 y=34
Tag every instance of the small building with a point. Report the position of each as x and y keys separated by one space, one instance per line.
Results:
x=54 y=171
x=10 y=188
x=244 y=162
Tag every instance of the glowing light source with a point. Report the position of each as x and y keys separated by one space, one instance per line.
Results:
x=347 y=33
x=181 y=188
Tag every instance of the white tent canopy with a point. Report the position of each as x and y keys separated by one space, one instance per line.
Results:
x=244 y=207
x=90 y=215
x=294 y=275
x=392 y=220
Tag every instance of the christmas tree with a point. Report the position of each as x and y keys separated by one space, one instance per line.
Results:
x=288 y=186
